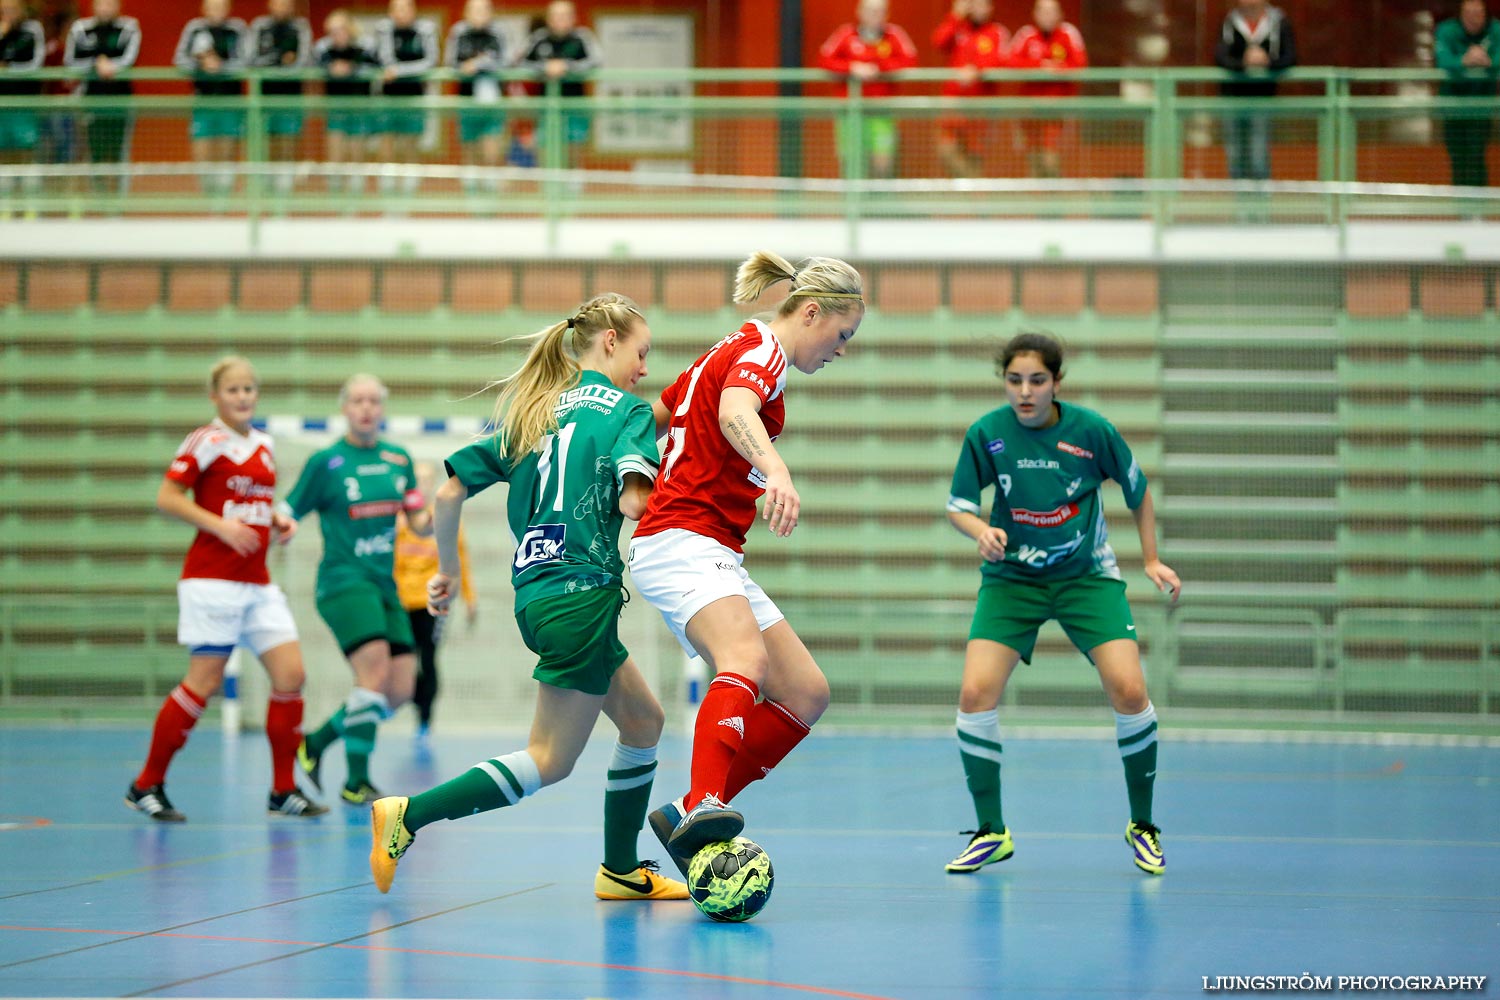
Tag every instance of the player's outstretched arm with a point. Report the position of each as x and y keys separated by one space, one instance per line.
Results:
x=739 y=420
x=446 y=508
x=635 y=493
x=1162 y=575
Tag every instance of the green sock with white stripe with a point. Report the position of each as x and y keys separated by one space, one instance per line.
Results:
x=1137 y=738
x=362 y=713
x=979 y=746
x=627 y=795
x=490 y=784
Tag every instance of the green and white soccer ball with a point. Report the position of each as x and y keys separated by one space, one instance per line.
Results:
x=731 y=880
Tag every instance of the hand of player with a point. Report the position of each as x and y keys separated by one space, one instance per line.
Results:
x=240 y=537
x=991 y=543
x=1476 y=57
x=1256 y=56
x=864 y=70
x=968 y=75
x=781 y=506
x=340 y=67
x=1165 y=579
x=556 y=68
x=105 y=67
x=282 y=528
x=389 y=74
x=439 y=595
x=469 y=66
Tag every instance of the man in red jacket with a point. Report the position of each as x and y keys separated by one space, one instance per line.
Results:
x=972 y=41
x=1048 y=42
x=869 y=51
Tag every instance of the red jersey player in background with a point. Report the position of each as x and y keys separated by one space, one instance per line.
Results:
x=226 y=597
x=1048 y=42
x=972 y=41
x=869 y=51
x=721 y=417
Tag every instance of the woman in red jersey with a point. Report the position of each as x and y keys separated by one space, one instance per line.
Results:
x=226 y=597
x=721 y=417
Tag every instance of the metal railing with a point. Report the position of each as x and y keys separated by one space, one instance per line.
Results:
x=1140 y=142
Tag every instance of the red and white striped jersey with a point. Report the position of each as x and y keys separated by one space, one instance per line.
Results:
x=233 y=476
x=705 y=486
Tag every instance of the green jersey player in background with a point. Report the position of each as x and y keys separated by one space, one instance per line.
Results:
x=357 y=486
x=579 y=452
x=1046 y=555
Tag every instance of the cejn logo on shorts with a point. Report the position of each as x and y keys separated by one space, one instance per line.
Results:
x=542 y=543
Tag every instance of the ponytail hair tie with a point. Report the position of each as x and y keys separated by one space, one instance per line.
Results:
x=570 y=322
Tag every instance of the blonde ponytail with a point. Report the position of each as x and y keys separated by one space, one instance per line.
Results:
x=833 y=284
x=525 y=411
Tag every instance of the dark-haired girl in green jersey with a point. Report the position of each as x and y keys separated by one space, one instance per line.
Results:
x=578 y=451
x=1046 y=555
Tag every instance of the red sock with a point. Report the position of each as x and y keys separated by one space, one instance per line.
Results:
x=770 y=734
x=718 y=733
x=179 y=714
x=283 y=732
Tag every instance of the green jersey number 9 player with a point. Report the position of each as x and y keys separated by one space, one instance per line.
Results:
x=1047 y=556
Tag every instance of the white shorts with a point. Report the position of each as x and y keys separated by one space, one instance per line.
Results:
x=681 y=572
x=217 y=615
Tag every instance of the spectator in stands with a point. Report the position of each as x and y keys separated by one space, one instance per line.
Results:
x=522 y=151
x=213 y=48
x=1468 y=47
x=972 y=41
x=476 y=50
x=349 y=66
x=869 y=50
x=1257 y=42
x=280 y=40
x=407 y=48
x=23 y=46
x=104 y=46
x=563 y=50
x=57 y=129
x=1049 y=43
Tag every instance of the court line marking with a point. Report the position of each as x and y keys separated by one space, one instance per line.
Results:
x=344 y=944
x=134 y=936
x=313 y=946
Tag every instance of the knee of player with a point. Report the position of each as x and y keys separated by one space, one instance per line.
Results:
x=552 y=767
x=977 y=698
x=1130 y=698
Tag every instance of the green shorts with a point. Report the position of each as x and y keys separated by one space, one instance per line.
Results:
x=1091 y=609
x=17 y=130
x=878 y=138
x=363 y=612
x=218 y=124
x=284 y=122
x=475 y=125
x=402 y=122
x=577 y=637
x=353 y=122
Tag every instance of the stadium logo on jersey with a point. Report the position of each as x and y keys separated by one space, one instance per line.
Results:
x=394 y=457
x=1037 y=463
x=996 y=446
x=541 y=544
x=1073 y=449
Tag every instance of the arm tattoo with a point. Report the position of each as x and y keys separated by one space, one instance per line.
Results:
x=741 y=428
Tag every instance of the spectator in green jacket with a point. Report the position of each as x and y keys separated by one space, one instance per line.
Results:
x=1468 y=47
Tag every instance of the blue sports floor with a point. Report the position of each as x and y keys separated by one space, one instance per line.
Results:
x=1283 y=859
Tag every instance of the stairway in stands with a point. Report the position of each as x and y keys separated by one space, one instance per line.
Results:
x=1250 y=479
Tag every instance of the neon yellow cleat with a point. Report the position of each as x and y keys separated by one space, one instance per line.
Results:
x=985 y=848
x=646 y=882
x=1145 y=840
x=389 y=839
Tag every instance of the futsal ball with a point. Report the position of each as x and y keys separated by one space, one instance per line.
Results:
x=731 y=880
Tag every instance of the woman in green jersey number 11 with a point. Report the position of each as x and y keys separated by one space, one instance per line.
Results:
x=579 y=452
x=1046 y=555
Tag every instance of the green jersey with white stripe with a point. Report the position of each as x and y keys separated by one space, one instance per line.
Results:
x=564 y=503
x=1047 y=491
x=357 y=493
